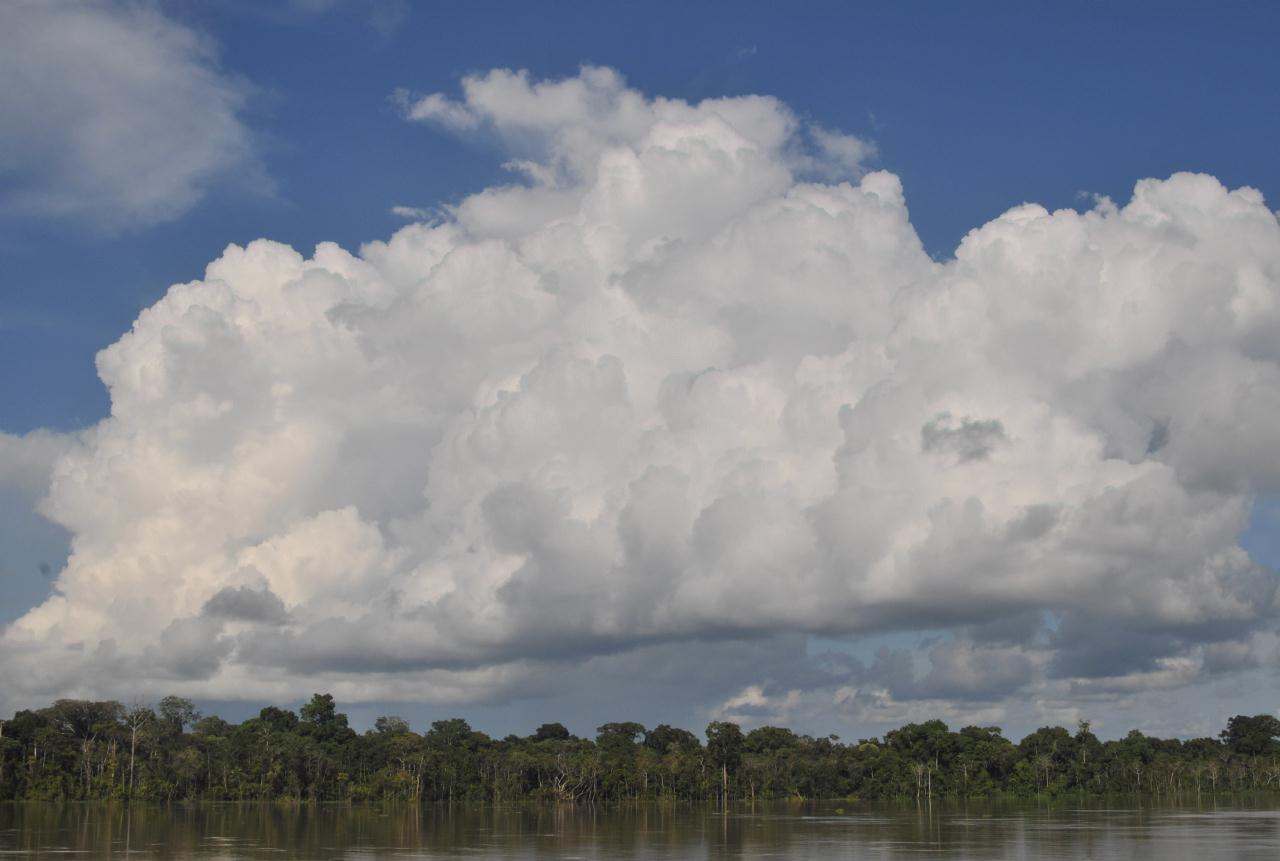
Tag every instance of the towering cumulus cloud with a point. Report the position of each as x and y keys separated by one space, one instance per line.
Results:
x=690 y=378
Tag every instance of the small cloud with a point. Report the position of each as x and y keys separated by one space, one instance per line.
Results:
x=841 y=154
x=538 y=174
x=438 y=108
x=412 y=213
x=751 y=696
x=753 y=706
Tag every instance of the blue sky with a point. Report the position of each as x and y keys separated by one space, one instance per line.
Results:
x=977 y=108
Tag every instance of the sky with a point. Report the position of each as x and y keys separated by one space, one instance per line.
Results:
x=834 y=365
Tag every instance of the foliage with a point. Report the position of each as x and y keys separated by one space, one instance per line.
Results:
x=81 y=749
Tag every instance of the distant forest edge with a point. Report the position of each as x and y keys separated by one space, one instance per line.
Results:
x=79 y=749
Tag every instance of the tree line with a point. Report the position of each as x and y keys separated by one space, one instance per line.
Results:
x=82 y=749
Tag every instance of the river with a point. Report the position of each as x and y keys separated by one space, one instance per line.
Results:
x=1127 y=829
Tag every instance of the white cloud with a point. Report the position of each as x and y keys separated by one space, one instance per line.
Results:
x=113 y=114
x=666 y=392
x=563 y=127
x=753 y=707
x=839 y=156
x=412 y=213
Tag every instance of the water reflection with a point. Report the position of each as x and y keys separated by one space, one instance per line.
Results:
x=809 y=832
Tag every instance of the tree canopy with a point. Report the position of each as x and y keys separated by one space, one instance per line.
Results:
x=83 y=749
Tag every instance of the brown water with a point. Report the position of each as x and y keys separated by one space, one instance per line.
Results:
x=808 y=832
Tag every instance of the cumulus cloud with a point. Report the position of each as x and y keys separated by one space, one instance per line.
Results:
x=673 y=386
x=558 y=130
x=114 y=114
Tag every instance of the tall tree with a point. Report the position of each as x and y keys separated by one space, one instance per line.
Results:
x=85 y=721
x=138 y=719
x=724 y=746
x=178 y=713
x=1252 y=736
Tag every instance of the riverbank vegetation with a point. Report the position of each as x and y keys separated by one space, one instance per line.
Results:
x=80 y=749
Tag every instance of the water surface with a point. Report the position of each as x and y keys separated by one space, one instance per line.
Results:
x=804 y=832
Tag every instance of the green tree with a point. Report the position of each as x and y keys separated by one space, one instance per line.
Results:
x=177 y=713
x=664 y=739
x=724 y=747
x=278 y=719
x=628 y=731
x=87 y=722
x=391 y=725
x=1252 y=736
x=452 y=753
x=322 y=713
x=551 y=732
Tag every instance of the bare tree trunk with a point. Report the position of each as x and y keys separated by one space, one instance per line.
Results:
x=133 y=749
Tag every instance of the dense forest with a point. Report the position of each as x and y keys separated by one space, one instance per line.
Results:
x=79 y=749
